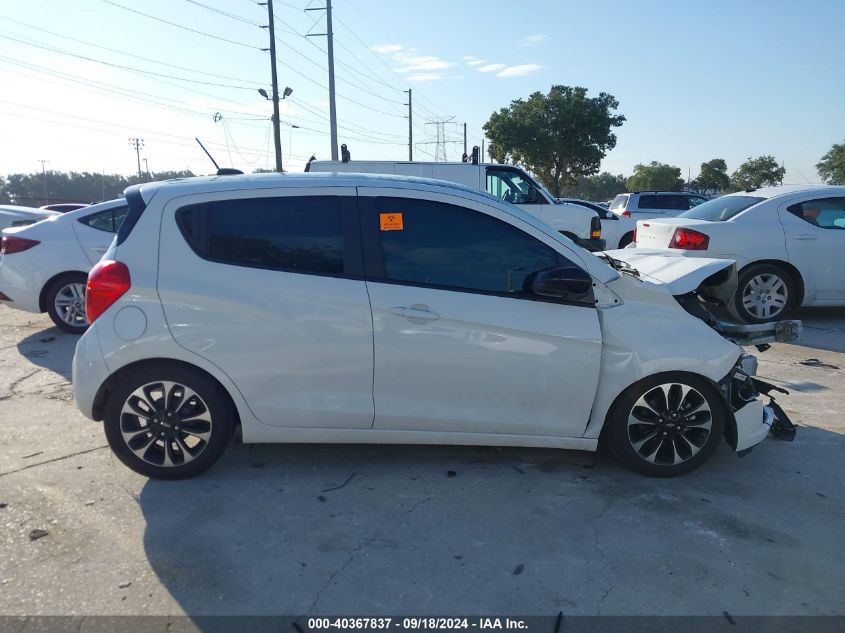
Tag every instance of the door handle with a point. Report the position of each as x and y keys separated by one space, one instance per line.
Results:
x=804 y=236
x=416 y=312
x=99 y=249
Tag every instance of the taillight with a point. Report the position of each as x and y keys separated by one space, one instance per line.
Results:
x=108 y=281
x=13 y=244
x=626 y=214
x=595 y=227
x=689 y=240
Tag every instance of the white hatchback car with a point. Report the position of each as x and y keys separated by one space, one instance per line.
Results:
x=788 y=243
x=44 y=267
x=383 y=309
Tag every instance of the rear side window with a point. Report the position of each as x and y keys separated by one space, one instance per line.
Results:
x=828 y=213
x=108 y=221
x=671 y=202
x=453 y=247
x=298 y=234
x=721 y=209
x=619 y=202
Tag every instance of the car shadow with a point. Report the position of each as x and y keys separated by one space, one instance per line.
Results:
x=824 y=328
x=367 y=529
x=51 y=348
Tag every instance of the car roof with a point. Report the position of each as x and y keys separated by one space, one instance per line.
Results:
x=27 y=210
x=785 y=190
x=199 y=184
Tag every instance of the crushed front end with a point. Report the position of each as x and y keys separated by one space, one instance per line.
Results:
x=753 y=420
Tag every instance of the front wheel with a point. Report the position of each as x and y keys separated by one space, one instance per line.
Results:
x=168 y=422
x=65 y=299
x=666 y=425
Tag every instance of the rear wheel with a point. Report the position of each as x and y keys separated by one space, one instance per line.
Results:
x=168 y=422
x=765 y=293
x=626 y=239
x=666 y=425
x=65 y=299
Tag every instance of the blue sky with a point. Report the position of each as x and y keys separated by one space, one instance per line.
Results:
x=695 y=80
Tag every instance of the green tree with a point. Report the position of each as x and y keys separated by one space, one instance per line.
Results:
x=762 y=171
x=831 y=167
x=712 y=177
x=560 y=136
x=598 y=187
x=655 y=177
x=28 y=189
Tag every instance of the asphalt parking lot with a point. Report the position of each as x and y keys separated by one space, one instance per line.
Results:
x=428 y=530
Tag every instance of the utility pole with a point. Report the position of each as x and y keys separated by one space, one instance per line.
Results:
x=410 y=127
x=439 y=124
x=137 y=143
x=147 y=167
x=44 y=179
x=330 y=39
x=483 y=155
x=274 y=77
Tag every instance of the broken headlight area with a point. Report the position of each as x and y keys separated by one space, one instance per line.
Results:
x=753 y=420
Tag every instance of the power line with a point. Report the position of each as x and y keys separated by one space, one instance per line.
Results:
x=119 y=52
x=120 y=66
x=180 y=26
x=226 y=13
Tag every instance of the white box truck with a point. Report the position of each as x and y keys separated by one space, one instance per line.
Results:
x=506 y=182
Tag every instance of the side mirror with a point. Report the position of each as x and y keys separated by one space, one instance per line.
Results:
x=568 y=283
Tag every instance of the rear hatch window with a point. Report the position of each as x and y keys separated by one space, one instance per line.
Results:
x=721 y=209
x=619 y=202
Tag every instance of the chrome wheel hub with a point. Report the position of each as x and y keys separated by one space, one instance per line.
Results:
x=70 y=304
x=669 y=424
x=765 y=296
x=165 y=423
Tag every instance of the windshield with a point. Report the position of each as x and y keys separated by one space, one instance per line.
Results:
x=721 y=209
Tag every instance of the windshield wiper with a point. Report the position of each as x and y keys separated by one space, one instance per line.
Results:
x=619 y=265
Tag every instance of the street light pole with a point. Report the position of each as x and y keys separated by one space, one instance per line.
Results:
x=290 y=141
x=44 y=179
x=276 y=129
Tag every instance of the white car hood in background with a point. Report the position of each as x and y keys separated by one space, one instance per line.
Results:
x=678 y=273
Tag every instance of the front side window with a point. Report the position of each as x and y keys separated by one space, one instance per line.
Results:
x=511 y=187
x=827 y=213
x=694 y=201
x=453 y=247
x=108 y=221
x=298 y=233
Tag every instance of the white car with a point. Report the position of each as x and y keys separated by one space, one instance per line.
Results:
x=382 y=309
x=11 y=215
x=44 y=267
x=788 y=244
x=616 y=230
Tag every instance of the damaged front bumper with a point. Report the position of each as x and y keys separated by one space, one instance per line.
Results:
x=752 y=420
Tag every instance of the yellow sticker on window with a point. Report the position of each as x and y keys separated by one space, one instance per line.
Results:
x=391 y=221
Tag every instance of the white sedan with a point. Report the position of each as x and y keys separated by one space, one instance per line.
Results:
x=44 y=267
x=788 y=244
x=11 y=215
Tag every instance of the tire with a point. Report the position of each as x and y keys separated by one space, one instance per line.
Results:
x=764 y=293
x=626 y=239
x=643 y=435
x=65 y=302
x=175 y=446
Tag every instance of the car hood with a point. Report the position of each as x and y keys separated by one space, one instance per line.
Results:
x=681 y=274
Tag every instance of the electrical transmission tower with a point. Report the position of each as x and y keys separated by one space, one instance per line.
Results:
x=441 y=136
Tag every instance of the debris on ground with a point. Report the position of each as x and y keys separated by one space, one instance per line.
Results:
x=451 y=473
x=348 y=479
x=37 y=533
